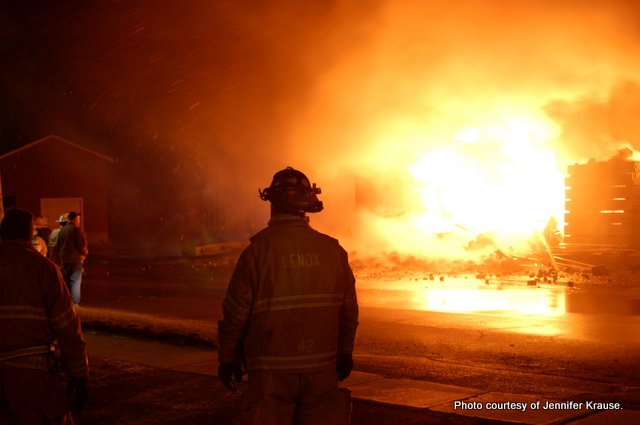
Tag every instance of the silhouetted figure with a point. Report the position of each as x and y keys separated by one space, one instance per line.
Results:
x=43 y=361
x=290 y=315
x=53 y=240
x=72 y=249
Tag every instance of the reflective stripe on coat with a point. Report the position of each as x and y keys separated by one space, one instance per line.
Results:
x=291 y=303
x=36 y=309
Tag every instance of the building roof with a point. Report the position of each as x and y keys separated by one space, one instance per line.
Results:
x=53 y=137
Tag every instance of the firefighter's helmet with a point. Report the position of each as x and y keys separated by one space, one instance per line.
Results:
x=291 y=190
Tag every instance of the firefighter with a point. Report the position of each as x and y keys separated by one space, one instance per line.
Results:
x=290 y=315
x=53 y=240
x=43 y=360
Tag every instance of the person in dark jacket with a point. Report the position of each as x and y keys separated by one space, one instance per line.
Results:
x=43 y=359
x=72 y=250
x=290 y=315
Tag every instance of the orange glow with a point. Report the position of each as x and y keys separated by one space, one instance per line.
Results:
x=499 y=179
x=514 y=300
x=455 y=136
x=459 y=295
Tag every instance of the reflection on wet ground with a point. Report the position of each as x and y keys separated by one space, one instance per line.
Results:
x=484 y=298
x=602 y=314
x=468 y=295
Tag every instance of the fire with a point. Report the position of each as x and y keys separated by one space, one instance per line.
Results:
x=492 y=185
x=494 y=178
x=457 y=133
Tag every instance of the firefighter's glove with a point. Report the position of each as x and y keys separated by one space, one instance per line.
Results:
x=344 y=365
x=227 y=372
x=78 y=391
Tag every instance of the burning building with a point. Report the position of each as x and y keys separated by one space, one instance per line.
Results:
x=603 y=204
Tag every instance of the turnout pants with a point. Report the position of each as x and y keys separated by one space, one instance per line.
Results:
x=32 y=397
x=296 y=398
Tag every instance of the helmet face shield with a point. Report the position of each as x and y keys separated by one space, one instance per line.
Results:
x=291 y=190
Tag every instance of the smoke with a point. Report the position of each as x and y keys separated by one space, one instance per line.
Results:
x=427 y=60
x=202 y=102
x=593 y=127
x=430 y=69
x=195 y=100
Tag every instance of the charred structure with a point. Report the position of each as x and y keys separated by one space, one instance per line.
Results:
x=603 y=205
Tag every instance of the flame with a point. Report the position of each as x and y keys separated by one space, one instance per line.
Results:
x=492 y=178
x=457 y=140
x=500 y=180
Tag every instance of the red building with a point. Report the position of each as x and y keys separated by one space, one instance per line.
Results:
x=52 y=175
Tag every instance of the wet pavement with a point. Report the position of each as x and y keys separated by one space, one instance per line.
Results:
x=428 y=398
x=503 y=338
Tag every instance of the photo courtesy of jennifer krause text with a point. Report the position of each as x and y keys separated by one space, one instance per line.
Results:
x=535 y=405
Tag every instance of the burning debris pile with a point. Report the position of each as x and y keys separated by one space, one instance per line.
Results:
x=600 y=235
x=597 y=238
x=458 y=146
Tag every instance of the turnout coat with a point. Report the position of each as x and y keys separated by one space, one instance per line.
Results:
x=291 y=303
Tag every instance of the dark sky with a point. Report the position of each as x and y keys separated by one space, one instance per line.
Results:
x=187 y=95
x=215 y=96
x=130 y=75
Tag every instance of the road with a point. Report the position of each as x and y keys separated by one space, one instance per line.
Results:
x=500 y=335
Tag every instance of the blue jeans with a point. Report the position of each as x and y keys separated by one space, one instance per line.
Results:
x=72 y=273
